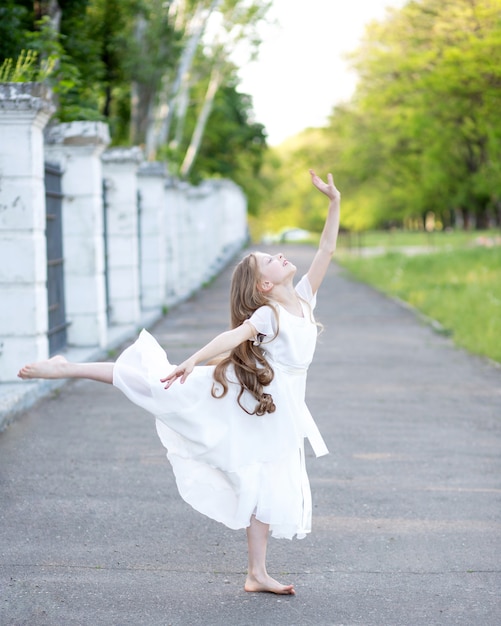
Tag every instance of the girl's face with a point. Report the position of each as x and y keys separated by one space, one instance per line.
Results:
x=275 y=269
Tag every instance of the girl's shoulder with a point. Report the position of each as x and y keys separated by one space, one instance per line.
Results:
x=265 y=319
x=305 y=291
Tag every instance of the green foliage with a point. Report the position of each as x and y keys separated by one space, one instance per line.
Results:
x=94 y=57
x=26 y=68
x=422 y=134
x=116 y=61
x=461 y=289
x=63 y=77
x=42 y=60
x=233 y=145
x=14 y=22
x=290 y=200
x=429 y=100
x=45 y=60
x=94 y=34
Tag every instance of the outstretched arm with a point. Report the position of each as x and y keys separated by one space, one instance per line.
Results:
x=328 y=239
x=221 y=343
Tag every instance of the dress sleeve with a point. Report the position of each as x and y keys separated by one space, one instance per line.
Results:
x=303 y=289
x=265 y=323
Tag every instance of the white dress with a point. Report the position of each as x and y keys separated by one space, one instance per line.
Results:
x=230 y=465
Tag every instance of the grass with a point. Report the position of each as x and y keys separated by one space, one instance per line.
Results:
x=391 y=239
x=458 y=287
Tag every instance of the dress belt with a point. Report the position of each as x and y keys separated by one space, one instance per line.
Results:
x=288 y=369
x=307 y=423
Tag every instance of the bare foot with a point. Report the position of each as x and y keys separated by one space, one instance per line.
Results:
x=52 y=368
x=268 y=584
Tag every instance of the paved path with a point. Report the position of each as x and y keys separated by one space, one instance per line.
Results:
x=407 y=507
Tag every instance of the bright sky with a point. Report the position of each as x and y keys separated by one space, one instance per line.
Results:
x=300 y=73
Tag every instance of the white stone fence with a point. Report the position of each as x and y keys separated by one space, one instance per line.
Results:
x=135 y=241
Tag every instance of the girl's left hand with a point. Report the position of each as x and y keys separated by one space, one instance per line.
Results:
x=328 y=188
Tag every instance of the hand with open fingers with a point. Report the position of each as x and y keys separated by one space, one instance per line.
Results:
x=328 y=188
x=181 y=371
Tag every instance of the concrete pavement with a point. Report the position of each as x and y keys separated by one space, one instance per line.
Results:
x=407 y=507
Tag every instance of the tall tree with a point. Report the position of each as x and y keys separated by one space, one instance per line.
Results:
x=233 y=145
x=212 y=34
x=422 y=133
x=176 y=86
x=118 y=62
x=154 y=48
x=429 y=92
x=15 y=20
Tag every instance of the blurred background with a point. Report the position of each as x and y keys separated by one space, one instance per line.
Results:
x=399 y=100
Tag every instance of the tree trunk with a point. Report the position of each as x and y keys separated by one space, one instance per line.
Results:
x=142 y=97
x=140 y=94
x=466 y=218
x=189 y=159
x=197 y=24
x=182 y=103
x=52 y=9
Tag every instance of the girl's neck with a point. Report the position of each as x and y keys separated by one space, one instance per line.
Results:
x=286 y=296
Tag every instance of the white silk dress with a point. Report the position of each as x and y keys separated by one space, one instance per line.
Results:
x=230 y=465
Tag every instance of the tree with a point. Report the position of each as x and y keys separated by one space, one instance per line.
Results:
x=155 y=46
x=15 y=20
x=176 y=86
x=233 y=145
x=422 y=133
x=212 y=34
x=429 y=88
x=134 y=63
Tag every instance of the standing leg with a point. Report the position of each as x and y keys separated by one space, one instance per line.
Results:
x=257 y=576
x=59 y=367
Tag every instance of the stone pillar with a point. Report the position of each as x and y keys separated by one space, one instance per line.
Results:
x=215 y=225
x=25 y=109
x=120 y=166
x=174 y=246
x=197 y=217
x=189 y=244
x=234 y=216
x=77 y=148
x=206 y=230
x=153 y=262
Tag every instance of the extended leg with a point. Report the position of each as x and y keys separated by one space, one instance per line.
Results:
x=59 y=367
x=257 y=576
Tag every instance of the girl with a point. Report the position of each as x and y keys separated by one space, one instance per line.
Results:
x=234 y=431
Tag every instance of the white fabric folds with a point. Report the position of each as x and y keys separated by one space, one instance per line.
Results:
x=230 y=465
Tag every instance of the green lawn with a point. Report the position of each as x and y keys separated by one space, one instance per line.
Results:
x=460 y=288
x=391 y=239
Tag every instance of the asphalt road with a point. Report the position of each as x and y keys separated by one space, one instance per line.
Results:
x=407 y=506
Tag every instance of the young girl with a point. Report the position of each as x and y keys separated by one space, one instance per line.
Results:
x=234 y=431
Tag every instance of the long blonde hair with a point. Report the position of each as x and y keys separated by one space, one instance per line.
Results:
x=251 y=367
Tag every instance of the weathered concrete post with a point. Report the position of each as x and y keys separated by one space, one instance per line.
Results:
x=77 y=148
x=174 y=248
x=233 y=207
x=190 y=238
x=151 y=183
x=213 y=227
x=195 y=241
x=25 y=109
x=120 y=166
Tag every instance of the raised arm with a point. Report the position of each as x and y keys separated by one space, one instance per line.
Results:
x=221 y=343
x=328 y=239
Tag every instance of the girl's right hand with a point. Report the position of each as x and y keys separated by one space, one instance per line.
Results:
x=181 y=371
x=328 y=188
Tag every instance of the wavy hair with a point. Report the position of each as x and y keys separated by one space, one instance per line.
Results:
x=251 y=368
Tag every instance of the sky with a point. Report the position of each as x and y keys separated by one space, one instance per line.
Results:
x=300 y=73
